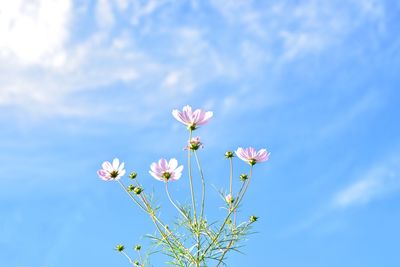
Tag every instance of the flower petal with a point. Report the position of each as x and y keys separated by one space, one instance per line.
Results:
x=106 y=166
x=115 y=163
x=163 y=165
x=179 y=116
x=205 y=118
x=241 y=154
x=173 y=163
x=156 y=176
x=121 y=166
x=178 y=172
x=154 y=167
x=121 y=173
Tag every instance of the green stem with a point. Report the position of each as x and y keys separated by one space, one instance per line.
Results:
x=203 y=185
x=230 y=175
x=129 y=258
x=236 y=204
x=174 y=204
x=193 y=200
x=191 y=180
x=155 y=220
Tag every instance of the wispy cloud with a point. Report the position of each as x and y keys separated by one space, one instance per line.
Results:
x=377 y=182
x=48 y=61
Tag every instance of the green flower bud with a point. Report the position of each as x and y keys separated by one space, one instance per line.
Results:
x=138 y=247
x=229 y=154
x=136 y=263
x=131 y=187
x=243 y=177
x=253 y=218
x=119 y=248
x=137 y=190
x=132 y=175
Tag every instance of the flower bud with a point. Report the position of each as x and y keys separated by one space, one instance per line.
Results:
x=136 y=263
x=119 y=248
x=243 y=177
x=138 y=247
x=137 y=190
x=229 y=199
x=194 y=143
x=229 y=154
x=253 y=218
x=132 y=175
x=131 y=187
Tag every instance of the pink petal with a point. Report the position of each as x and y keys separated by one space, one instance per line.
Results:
x=197 y=114
x=187 y=109
x=115 y=164
x=155 y=168
x=173 y=163
x=103 y=175
x=107 y=166
x=178 y=116
x=163 y=164
x=178 y=171
x=205 y=118
x=241 y=154
x=157 y=177
x=262 y=155
x=252 y=152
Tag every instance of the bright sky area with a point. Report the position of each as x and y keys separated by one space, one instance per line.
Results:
x=316 y=82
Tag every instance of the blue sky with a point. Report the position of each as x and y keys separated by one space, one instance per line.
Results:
x=315 y=82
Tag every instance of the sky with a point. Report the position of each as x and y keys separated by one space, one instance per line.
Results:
x=316 y=82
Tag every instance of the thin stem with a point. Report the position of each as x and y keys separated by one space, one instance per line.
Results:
x=129 y=258
x=154 y=219
x=146 y=202
x=174 y=204
x=140 y=258
x=203 y=185
x=193 y=201
x=236 y=204
x=230 y=175
x=230 y=180
x=132 y=197
x=191 y=180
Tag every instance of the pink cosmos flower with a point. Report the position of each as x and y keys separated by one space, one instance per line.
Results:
x=164 y=170
x=190 y=118
x=112 y=171
x=194 y=143
x=251 y=156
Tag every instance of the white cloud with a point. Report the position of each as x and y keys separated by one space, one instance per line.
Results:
x=374 y=184
x=45 y=64
x=34 y=32
x=104 y=14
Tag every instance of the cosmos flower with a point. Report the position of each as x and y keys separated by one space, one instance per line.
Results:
x=190 y=118
x=112 y=171
x=251 y=156
x=194 y=143
x=165 y=171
